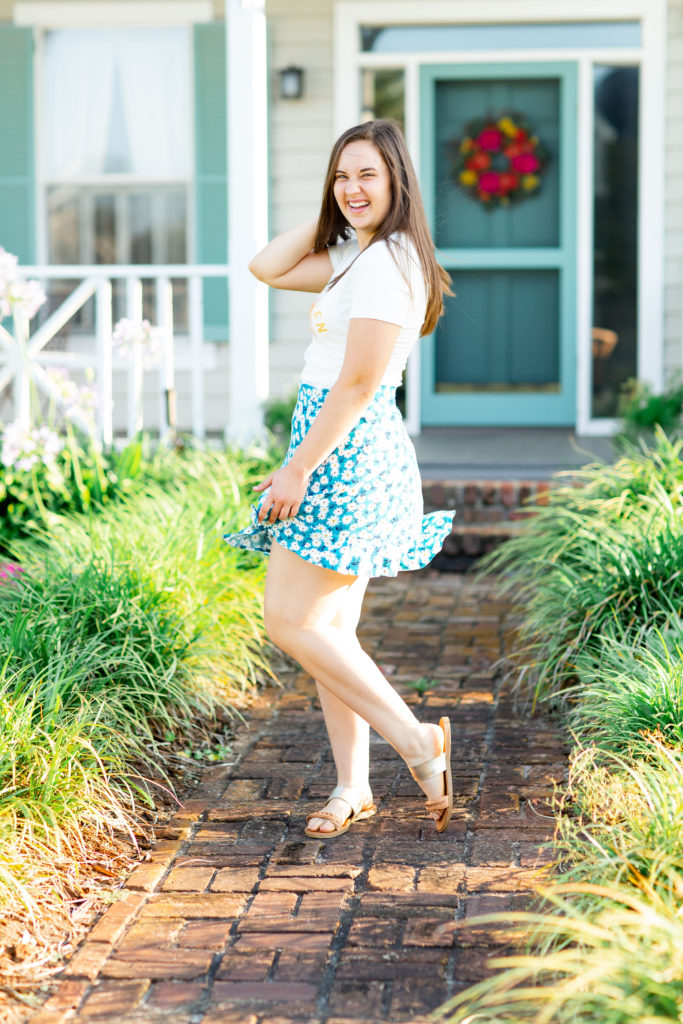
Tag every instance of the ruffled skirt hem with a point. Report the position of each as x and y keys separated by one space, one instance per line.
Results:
x=362 y=514
x=388 y=561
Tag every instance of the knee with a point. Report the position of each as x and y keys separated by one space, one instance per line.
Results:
x=280 y=627
x=289 y=631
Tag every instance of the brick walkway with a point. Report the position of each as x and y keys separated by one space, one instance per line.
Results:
x=237 y=917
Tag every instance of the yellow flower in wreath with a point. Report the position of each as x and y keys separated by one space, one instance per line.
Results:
x=468 y=177
x=466 y=145
x=530 y=182
x=507 y=125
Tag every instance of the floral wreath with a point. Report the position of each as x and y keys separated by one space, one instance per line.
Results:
x=500 y=160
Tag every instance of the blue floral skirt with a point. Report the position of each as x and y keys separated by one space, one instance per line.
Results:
x=362 y=514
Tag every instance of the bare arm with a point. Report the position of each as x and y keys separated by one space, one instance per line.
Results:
x=288 y=261
x=369 y=346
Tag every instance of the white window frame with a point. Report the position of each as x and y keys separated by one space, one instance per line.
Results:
x=650 y=56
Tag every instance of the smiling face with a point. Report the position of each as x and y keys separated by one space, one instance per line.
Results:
x=362 y=188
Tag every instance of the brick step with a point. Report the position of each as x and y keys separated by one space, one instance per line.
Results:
x=484 y=501
x=474 y=539
x=487 y=513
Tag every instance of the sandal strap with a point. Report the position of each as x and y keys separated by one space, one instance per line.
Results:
x=358 y=799
x=329 y=816
x=427 y=769
x=440 y=804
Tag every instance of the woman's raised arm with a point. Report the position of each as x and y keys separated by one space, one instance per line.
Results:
x=289 y=262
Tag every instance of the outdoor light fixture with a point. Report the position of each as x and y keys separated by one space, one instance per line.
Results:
x=291 y=83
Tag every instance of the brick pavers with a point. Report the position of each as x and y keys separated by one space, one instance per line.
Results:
x=238 y=917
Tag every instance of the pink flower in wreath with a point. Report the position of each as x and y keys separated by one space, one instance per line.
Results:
x=490 y=139
x=526 y=163
x=489 y=182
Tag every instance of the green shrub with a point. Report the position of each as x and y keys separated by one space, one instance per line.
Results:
x=617 y=959
x=66 y=784
x=71 y=476
x=278 y=417
x=95 y=634
x=120 y=636
x=605 y=943
x=620 y=817
x=167 y=536
x=642 y=412
x=633 y=685
x=95 y=674
x=607 y=554
x=598 y=577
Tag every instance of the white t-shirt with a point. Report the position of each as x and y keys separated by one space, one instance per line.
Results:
x=375 y=288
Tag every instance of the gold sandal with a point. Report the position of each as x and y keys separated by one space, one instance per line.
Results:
x=356 y=798
x=439 y=765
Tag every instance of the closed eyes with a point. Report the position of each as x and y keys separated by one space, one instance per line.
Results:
x=369 y=172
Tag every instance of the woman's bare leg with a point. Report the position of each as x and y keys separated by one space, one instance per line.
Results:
x=349 y=733
x=301 y=604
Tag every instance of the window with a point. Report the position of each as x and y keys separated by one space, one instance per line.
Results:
x=511 y=36
x=383 y=91
x=615 y=228
x=117 y=155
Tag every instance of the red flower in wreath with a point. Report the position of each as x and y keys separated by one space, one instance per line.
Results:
x=507 y=181
x=478 y=162
x=501 y=160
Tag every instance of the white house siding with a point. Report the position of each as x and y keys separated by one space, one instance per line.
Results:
x=300 y=136
x=300 y=133
x=673 y=302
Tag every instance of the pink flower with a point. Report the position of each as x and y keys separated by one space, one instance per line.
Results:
x=526 y=163
x=9 y=569
x=490 y=139
x=489 y=182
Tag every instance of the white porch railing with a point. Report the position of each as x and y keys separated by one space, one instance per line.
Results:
x=25 y=363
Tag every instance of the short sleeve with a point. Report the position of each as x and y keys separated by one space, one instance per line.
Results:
x=380 y=291
x=341 y=250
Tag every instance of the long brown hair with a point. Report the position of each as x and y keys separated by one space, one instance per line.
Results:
x=406 y=213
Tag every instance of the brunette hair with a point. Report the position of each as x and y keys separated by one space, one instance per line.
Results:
x=406 y=213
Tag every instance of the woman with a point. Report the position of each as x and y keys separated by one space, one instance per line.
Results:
x=346 y=504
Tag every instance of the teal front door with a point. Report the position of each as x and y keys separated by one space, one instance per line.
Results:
x=504 y=353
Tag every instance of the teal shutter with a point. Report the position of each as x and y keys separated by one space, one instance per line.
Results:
x=17 y=175
x=211 y=169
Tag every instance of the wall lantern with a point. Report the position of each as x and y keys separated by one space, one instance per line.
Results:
x=291 y=83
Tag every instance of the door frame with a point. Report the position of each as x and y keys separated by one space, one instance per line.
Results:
x=481 y=408
x=650 y=57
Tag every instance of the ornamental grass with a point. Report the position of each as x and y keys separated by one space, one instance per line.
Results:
x=606 y=943
x=605 y=553
x=597 y=578
x=124 y=639
x=168 y=538
x=633 y=685
x=614 y=957
x=620 y=818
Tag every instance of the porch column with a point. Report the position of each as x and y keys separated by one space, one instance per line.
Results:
x=245 y=22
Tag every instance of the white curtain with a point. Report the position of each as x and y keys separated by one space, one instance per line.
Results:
x=117 y=100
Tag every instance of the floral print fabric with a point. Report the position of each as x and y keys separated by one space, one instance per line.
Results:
x=362 y=514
